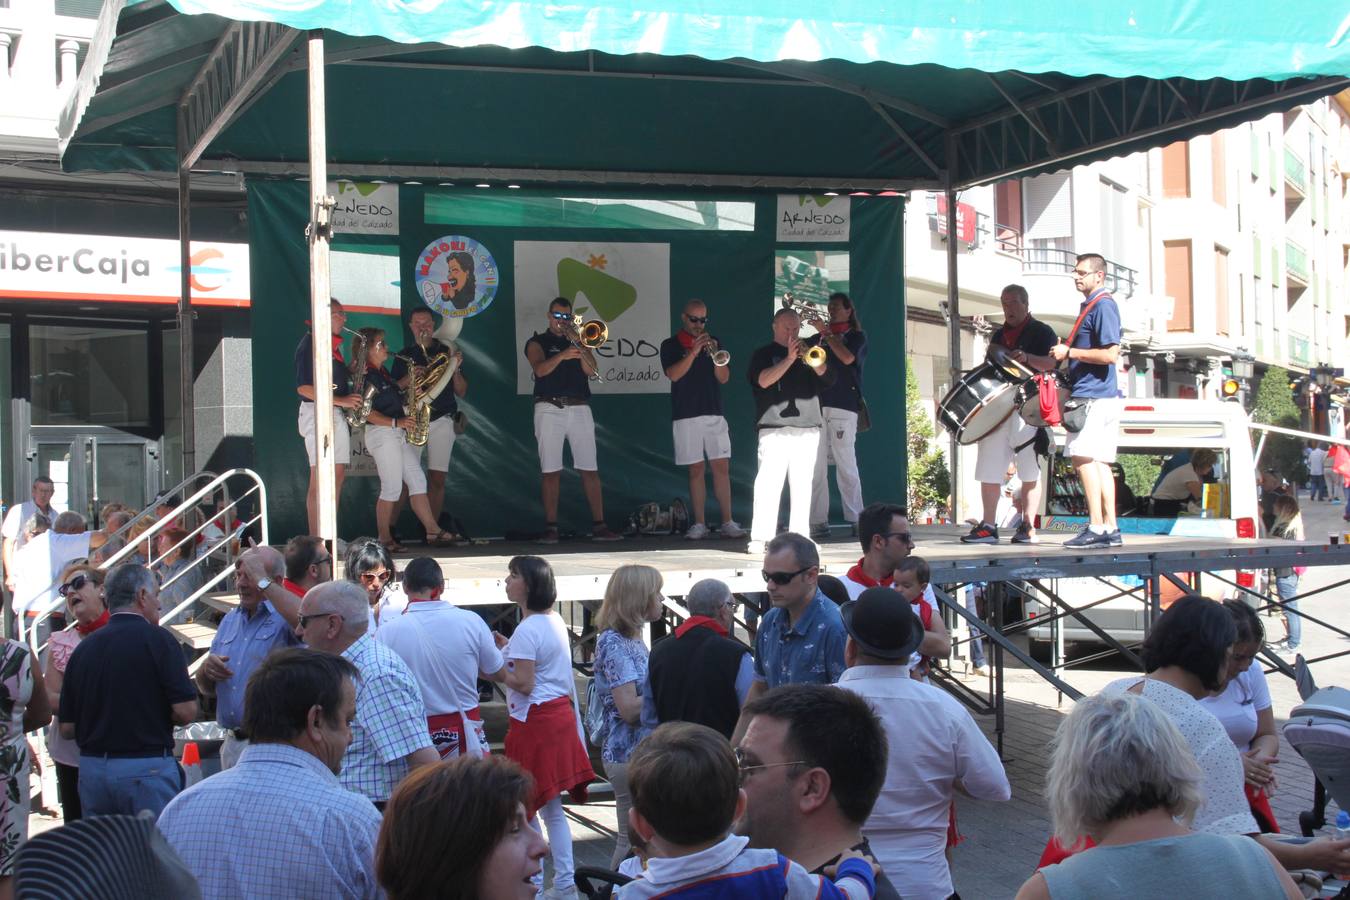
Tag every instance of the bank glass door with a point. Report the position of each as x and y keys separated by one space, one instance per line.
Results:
x=93 y=469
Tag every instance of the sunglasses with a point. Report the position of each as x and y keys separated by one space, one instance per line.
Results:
x=373 y=577
x=75 y=584
x=697 y=320
x=378 y=344
x=782 y=578
x=560 y=315
x=904 y=536
x=304 y=620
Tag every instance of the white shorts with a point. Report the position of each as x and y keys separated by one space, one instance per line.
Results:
x=440 y=441
x=701 y=436
x=573 y=424
x=397 y=461
x=1101 y=432
x=342 y=439
x=999 y=447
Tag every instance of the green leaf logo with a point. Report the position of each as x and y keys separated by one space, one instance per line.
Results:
x=610 y=296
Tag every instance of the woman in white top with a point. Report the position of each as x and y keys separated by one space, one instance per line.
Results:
x=1183 y=484
x=1243 y=708
x=544 y=734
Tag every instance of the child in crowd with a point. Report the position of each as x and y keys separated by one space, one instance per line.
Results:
x=911 y=580
x=1289 y=526
x=684 y=780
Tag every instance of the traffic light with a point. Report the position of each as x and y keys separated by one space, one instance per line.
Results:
x=1230 y=389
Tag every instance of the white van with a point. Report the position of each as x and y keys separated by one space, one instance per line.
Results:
x=1151 y=432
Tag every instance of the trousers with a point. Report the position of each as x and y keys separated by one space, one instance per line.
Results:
x=127 y=785
x=836 y=446
x=784 y=453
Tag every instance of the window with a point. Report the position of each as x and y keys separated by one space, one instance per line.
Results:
x=1008 y=216
x=89 y=376
x=1115 y=222
x=1220 y=290
x=1218 y=168
x=1177 y=283
x=1177 y=169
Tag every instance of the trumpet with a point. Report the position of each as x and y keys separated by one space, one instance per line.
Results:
x=813 y=355
x=809 y=313
x=719 y=356
x=586 y=336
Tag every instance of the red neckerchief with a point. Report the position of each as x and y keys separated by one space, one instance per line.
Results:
x=685 y=338
x=857 y=574
x=1011 y=335
x=337 y=344
x=839 y=327
x=412 y=600
x=294 y=588
x=86 y=630
x=693 y=622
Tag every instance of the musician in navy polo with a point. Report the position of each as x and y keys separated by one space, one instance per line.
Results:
x=699 y=428
x=343 y=399
x=1092 y=351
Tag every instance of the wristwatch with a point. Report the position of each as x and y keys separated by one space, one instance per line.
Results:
x=264 y=583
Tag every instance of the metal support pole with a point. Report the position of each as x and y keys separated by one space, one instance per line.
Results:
x=953 y=330
x=186 y=374
x=320 y=205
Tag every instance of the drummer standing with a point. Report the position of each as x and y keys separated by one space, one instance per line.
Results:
x=1028 y=341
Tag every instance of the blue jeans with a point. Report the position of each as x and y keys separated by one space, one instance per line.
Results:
x=111 y=785
x=976 y=644
x=1287 y=586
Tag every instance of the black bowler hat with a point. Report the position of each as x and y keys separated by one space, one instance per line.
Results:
x=882 y=624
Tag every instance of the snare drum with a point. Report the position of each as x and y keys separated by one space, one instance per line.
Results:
x=1028 y=401
x=982 y=400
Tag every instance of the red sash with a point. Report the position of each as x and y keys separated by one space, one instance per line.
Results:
x=448 y=735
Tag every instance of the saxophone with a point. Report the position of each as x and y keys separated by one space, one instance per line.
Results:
x=356 y=418
x=424 y=385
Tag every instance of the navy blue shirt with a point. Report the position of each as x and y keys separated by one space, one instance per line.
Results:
x=120 y=686
x=388 y=400
x=847 y=388
x=698 y=393
x=569 y=379
x=1035 y=338
x=446 y=403
x=304 y=368
x=1100 y=328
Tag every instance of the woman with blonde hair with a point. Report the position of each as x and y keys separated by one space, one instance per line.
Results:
x=1289 y=526
x=82 y=590
x=632 y=599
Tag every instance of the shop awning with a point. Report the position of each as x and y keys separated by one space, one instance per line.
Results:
x=805 y=94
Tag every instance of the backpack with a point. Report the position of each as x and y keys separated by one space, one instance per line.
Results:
x=596 y=722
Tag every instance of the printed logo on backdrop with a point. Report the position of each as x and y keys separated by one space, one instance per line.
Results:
x=364 y=208
x=456 y=276
x=362 y=464
x=626 y=286
x=808 y=217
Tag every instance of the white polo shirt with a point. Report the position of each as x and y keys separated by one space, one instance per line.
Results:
x=18 y=516
x=445 y=647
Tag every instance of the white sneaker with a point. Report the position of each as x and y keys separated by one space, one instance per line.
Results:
x=754 y=548
x=731 y=530
x=697 y=532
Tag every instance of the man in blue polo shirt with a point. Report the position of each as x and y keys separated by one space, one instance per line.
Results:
x=696 y=406
x=801 y=640
x=1092 y=351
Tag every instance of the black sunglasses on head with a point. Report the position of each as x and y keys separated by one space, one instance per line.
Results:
x=782 y=578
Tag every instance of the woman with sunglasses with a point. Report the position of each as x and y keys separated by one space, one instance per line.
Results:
x=398 y=462
x=82 y=589
x=369 y=564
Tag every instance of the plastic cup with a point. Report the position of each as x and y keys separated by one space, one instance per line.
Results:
x=1334 y=539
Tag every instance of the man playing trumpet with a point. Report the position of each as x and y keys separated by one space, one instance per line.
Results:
x=787 y=377
x=699 y=428
x=343 y=399
x=444 y=409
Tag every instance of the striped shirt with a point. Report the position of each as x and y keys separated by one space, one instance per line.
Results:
x=278 y=824
x=390 y=721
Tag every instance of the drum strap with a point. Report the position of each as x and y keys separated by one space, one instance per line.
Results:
x=1081 y=316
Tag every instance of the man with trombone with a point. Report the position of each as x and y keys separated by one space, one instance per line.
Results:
x=563 y=366
x=697 y=367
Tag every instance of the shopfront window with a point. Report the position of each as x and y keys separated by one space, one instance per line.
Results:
x=90 y=376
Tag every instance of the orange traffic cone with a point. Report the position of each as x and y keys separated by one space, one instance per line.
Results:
x=192 y=764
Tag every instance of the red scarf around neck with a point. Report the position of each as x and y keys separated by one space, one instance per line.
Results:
x=857 y=574
x=693 y=622
x=839 y=327
x=86 y=630
x=685 y=338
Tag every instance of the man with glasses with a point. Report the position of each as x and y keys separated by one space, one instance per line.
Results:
x=699 y=428
x=883 y=531
x=801 y=639
x=699 y=673
x=1092 y=351
x=343 y=399
x=389 y=735
x=245 y=636
x=562 y=414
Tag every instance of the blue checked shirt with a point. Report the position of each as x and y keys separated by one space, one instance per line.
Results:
x=246 y=641
x=809 y=652
x=391 y=721
x=278 y=824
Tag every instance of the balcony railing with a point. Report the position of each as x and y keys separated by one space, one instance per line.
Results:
x=1295 y=171
x=1120 y=280
x=1296 y=262
x=1008 y=239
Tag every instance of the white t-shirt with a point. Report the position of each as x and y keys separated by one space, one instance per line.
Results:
x=542 y=638
x=38 y=564
x=1236 y=708
x=446 y=648
x=1173 y=485
x=1317 y=459
x=391 y=604
x=1225 y=810
x=18 y=516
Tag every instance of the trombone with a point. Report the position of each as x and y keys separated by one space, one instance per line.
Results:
x=586 y=336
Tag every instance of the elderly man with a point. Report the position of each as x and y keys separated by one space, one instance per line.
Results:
x=308 y=564
x=939 y=748
x=13 y=528
x=800 y=640
x=245 y=637
x=125 y=688
x=279 y=824
x=812 y=760
x=389 y=737
x=699 y=673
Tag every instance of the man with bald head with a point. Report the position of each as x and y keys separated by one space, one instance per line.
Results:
x=389 y=734
x=245 y=637
x=700 y=430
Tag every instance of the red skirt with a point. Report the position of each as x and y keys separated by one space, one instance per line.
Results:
x=548 y=746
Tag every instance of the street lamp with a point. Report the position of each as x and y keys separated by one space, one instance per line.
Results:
x=1325 y=376
x=1244 y=366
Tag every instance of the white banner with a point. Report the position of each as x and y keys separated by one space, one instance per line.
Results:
x=38 y=265
x=810 y=217
x=364 y=208
x=626 y=286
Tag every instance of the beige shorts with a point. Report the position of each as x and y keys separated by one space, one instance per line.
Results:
x=342 y=439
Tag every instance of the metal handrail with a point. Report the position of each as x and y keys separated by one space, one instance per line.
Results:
x=218 y=481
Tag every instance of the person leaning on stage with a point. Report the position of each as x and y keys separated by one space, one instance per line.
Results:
x=447 y=649
x=126 y=687
x=846 y=345
x=814 y=759
x=789 y=419
x=1092 y=378
x=444 y=409
x=562 y=413
x=343 y=399
x=1028 y=341
x=398 y=462
x=699 y=673
x=699 y=428
x=279 y=824
x=389 y=735
x=18 y=516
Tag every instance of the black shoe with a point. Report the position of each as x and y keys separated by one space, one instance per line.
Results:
x=1023 y=535
x=1115 y=538
x=982 y=533
x=1088 y=539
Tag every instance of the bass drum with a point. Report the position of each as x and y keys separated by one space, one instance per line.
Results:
x=982 y=400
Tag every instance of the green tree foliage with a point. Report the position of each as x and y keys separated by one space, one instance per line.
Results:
x=1274 y=405
x=929 y=481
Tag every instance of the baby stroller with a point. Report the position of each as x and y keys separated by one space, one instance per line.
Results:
x=1319 y=730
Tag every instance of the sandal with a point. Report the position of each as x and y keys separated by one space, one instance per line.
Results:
x=443 y=539
x=393 y=546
